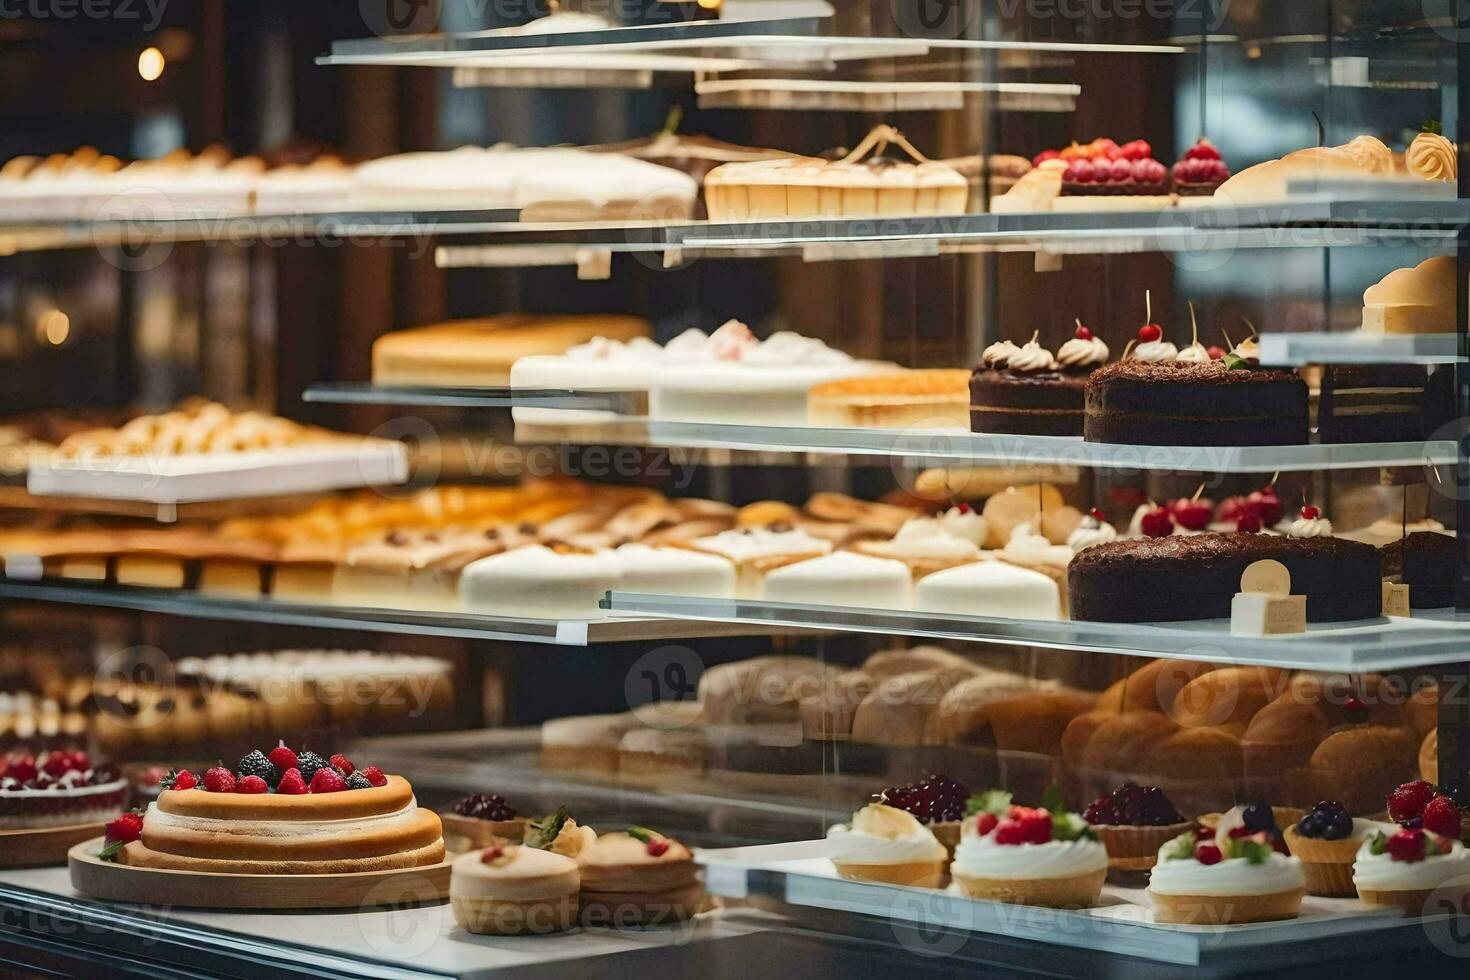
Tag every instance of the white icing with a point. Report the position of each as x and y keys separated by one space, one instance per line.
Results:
x=1091 y=531
x=843 y=579
x=998 y=354
x=1080 y=353
x=1303 y=527
x=889 y=840
x=1032 y=358
x=928 y=537
x=1026 y=547
x=746 y=544
x=1236 y=876
x=1156 y=352
x=982 y=857
x=1380 y=872
x=673 y=571
x=536 y=582
x=989 y=588
x=294 y=830
x=965 y=523
x=1195 y=353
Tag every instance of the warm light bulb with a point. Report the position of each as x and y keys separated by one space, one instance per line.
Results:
x=53 y=327
x=150 y=64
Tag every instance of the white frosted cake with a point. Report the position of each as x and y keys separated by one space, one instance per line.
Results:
x=756 y=551
x=844 y=578
x=674 y=571
x=535 y=582
x=1417 y=300
x=989 y=588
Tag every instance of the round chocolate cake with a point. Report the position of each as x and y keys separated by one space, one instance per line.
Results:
x=1040 y=403
x=1428 y=563
x=1157 y=580
x=1194 y=404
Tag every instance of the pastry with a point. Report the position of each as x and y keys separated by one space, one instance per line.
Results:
x=414 y=569
x=760 y=690
x=544 y=184
x=885 y=844
x=1167 y=579
x=1416 y=300
x=559 y=833
x=319 y=186
x=1035 y=190
x=59 y=788
x=986 y=712
x=1355 y=765
x=484 y=352
x=937 y=802
x=1365 y=157
x=481 y=820
x=1418 y=871
x=1239 y=871
x=584 y=743
x=757 y=551
x=990 y=588
x=286 y=813
x=936 y=399
x=900 y=710
x=857 y=186
x=827 y=713
x=1133 y=822
x=539 y=583
x=843 y=578
x=932 y=544
x=1040 y=505
x=1327 y=841
x=1383 y=402
x=1200 y=174
x=1026 y=390
x=1129 y=179
x=1433 y=157
x=1174 y=403
x=638 y=877
x=674 y=571
x=659 y=756
x=1426 y=561
x=1028 y=856
x=197 y=427
x=510 y=889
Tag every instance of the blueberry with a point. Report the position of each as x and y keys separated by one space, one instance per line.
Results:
x=1258 y=816
x=1310 y=825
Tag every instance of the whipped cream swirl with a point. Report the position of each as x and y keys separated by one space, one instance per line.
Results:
x=1026 y=547
x=965 y=523
x=1156 y=352
x=998 y=354
x=1091 y=531
x=1236 y=876
x=1380 y=872
x=1078 y=353
x=1032 y=358
x=881 y=835
x=982 y=857
x=1195 y=353
x=1313 y=527
x=928 y=537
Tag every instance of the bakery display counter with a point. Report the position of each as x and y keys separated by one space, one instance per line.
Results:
x=175 y=602
x=1301 y=349
x=1390 y=643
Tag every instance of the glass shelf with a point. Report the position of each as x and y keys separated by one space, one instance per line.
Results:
x=178 y=602
x=351 y=393
x=1434 y=637
x=1297 y=349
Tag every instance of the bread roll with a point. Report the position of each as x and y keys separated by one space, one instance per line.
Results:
x=898 y=710
x=890 y=663
x=1125 y=743
x=1283 y=735
x=1030 y=722
x=827 y=715
x=1151 y=687
x=1421 y=711
x=761 y=689
x=1231 y=695
x=1358 y=767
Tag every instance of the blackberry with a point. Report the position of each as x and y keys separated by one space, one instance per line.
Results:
x=1258 y=816
x=309 y=763
x=256 y=764
x=485 y=806
x=358 y=781
x=1132 y=805
x=935 y=799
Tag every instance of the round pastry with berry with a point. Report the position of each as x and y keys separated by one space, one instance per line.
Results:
x=482 y=820
x=1028 y=855
x=638 y=877
x=285 y=812
x=937 y=802
x=1326 y=840
x=1238 y=872
x=1133 y=822
x=58 y=789
x=1125 y=179
x=886 y=844
x=511 y=889
x=1200 y=173
x=1412 y=869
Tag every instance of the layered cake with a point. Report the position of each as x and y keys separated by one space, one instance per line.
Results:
x=1428 y=563
x=57 y=789
x=1383 y=402
x=1174 y=403
x=863 y=184
x=911 y=399
x=674 y=571
x=1029 y=391
x=511 y=889
x=1180 y=577
x=539 y=583
x=484 y=351
x=286 y=813
x=638 y=877
x=482 y=820
x=415 y=570
x=1417 y=300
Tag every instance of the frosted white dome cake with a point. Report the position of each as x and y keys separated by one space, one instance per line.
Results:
x=674 y=571
x=757 y=551
x=990 y=588
x=545 y=184
x=844 y=578
x=535 y=582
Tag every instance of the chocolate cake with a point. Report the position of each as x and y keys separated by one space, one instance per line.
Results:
x=1194 y=404
x=1428 y=563
x=1384 y=402
x=1156 y=580
x=1046 y=403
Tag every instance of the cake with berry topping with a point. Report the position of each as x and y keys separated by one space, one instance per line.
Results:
x=1178 y=577
x=1026 y=390
x=285 y=813
x=483 y=819
x=1326 y=840
x=1128 y=179
x=937 y=802
x=1200 y=173
x=58 y=789
x=885 y=844
x=1238 y=872
x=511 y=889
x=1407 y=866
x=1133 y=822
x=638 y=877
x=1022 y=855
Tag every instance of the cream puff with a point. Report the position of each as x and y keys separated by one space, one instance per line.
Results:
x=510 y=889
x=638 y=877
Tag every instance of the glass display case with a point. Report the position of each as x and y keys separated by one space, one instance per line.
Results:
x=937 y=486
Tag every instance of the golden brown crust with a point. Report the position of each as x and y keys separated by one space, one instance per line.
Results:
x=346 y=805
x=423 y=831
x=139 y=855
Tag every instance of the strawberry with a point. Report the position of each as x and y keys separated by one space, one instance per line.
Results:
x=126 y=828
x=1208 y=854
x=282 y=758
x=184 y=779
x=219 y=780
x=1442 y=817
x=985 y=823
x=658 y=847
x=291 y=783
x=375 y=776
x=1035 y=824
x=1009 y=831
x=344 y=765
x=251 y=784
x=327 y=781
x=1407 y=846
x=1409 y=800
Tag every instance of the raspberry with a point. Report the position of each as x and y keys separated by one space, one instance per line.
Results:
x=1442 y=817
x=1203 y=833
x=1208 y=854
x=658 y=847
x=1407 y=846
x=282 y=758
x=1238 y=832
x=79 y=760
x=1035 y=824
x=1009 y=831
x=327 y=780
x=343 y=764
x=126 y=828
x=251 y=784
x=1409 y=800
x=219 y=780
x=985 y=823
x=375 y=776
x=184 y=779
x=1203 y=150
x=291 y=783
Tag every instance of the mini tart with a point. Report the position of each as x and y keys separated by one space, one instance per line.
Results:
x=477 y=832
x=1136 y=847
x=524 y=890
x=1327 y=864
x=888 y=845
x=1431 y=884
x=623 y=883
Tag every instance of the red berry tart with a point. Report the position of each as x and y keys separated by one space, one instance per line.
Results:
x=937 y=802
x=483 y=819
x=1201 y=172
x=58 y=789
x=1129 y=179
x=1024 y=855
x=1133 y=822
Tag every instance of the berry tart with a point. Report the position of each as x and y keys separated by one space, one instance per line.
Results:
x=1199 y=175
x=482 y=820
x=1133 y=822
x=1028 y=855
x=1413 y=869
x=638 y=877
x=285 y=813
x=1120 y=178
x=1238 y=872
x=58 y=789
x=886 y=844
x=1326 y=841
x=510 y=889
x=937 y=802
x=1028 y=391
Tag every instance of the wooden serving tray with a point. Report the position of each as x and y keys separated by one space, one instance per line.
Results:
x=97 y=878
x=43 y=845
